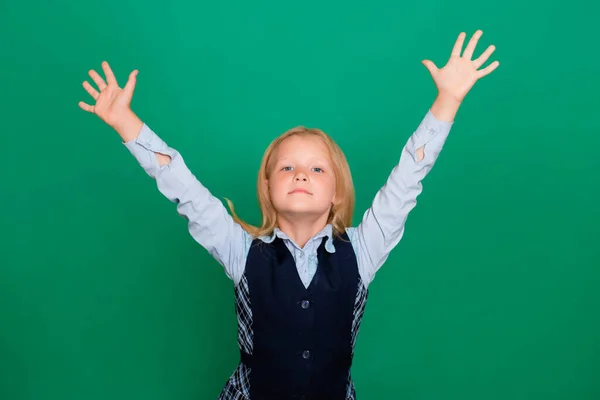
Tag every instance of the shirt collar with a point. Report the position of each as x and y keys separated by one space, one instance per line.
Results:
x=327 y=231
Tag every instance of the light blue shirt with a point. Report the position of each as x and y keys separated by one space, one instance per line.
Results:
x=211 y=225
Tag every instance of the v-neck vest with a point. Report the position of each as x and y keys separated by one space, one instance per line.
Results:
x=297 y=342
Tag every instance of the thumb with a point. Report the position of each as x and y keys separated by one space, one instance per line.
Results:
x=130 y=86
x=431 y=67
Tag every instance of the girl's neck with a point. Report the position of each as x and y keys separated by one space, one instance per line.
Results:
x=301 y=229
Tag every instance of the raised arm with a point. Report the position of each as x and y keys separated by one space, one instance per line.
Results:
x=208 y=220
x=383 y=223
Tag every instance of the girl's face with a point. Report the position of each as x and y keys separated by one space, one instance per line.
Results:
x=302 y=181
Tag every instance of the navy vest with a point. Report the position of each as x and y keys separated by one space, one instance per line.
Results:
x=297 y=342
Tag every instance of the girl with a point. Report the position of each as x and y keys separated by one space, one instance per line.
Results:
x=301 y=278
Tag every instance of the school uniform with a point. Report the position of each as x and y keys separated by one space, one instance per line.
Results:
x=298 y=309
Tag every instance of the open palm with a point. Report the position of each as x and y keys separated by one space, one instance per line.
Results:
x=112 y=102
x=460 y=73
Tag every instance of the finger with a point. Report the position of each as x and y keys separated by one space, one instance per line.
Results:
x=458 y=44
x=130 y=85
x=483 y=72
x=110 y=77
x=98 y=80
x=93 y=92
x=86 y=107
x=472 y=43
x=483 y=57
x=431 y=67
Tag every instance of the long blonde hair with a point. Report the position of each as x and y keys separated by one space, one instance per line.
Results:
x=341 y=212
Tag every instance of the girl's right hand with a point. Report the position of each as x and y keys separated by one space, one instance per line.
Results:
x=112 y=102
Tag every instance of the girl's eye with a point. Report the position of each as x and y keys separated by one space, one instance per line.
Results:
x=289 y=168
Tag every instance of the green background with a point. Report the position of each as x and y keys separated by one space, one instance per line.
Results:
x=491 y=294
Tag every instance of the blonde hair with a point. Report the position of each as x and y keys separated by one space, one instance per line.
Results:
x=341 y=212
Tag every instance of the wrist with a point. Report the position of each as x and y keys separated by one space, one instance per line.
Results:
x=445 y=107
x=128 y=126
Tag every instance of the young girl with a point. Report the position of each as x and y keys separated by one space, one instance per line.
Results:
x=301 y=278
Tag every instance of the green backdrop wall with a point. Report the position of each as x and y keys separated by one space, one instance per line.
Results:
x=491 y=294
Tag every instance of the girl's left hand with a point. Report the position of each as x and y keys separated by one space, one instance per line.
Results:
x=459 y=75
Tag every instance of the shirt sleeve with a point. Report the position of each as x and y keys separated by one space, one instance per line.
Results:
x=209 y=223
x=382 y=225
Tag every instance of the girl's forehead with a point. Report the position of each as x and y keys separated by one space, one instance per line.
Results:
x=297 y=143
